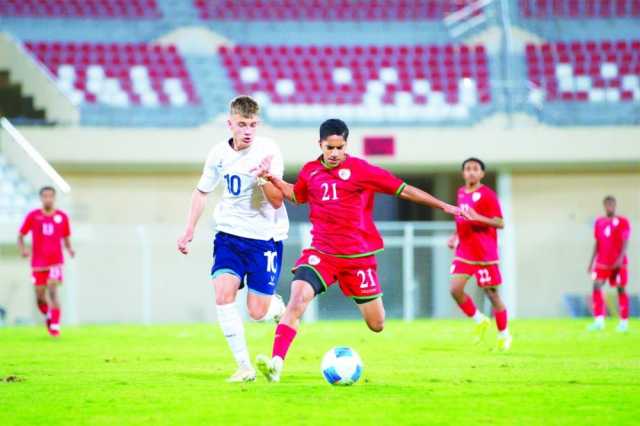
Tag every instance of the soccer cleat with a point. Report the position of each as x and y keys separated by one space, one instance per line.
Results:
x=242 y=375
x=481 y=330
x=622 y=327
x=271 y=368
x=53 y=329
x=595 y=326
x=504 y=342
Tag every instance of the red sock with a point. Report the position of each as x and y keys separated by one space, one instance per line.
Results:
x=44 y=308
x=282 y=341
x=501 y=319
x=55 y=318
x=468 y=307
x=623 y=303
x=598 y=303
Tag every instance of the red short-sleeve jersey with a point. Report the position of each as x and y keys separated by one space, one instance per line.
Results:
x=478 y=242
x=610 y=234
x=341 y=203
x=47 y=233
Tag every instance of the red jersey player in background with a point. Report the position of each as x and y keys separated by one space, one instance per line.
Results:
x=49 y=227
x=609 y=263
x=340 y=192
x=476 y=250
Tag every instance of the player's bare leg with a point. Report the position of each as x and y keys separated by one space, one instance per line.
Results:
x=373 y=314
x=465 y=302
x=500 y=313
x=226 y=286
x=623 y=309
x=41 y=301
x=302 y=293
x=598 y=307
x=54 y=308
x=265 y=308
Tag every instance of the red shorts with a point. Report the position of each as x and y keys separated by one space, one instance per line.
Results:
x=357 y=277
x=616 y=277
x=53 y=274
x=486 y=275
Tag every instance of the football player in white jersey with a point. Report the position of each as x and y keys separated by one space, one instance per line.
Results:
x=250 y=229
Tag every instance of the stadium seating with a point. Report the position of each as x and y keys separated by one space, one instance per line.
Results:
x=16 y=195
x=591 y=71
x=590 y=9
x=94 y=9
x=328 y=10
x=118 y=75
x=422 y=81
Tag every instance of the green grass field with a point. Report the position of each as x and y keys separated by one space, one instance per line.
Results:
x=421 y=373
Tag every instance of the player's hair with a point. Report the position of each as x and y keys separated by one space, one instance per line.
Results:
x=609 y=198
x=334 y=127
x=244 y=105
x=473 y=159
x=47 y=188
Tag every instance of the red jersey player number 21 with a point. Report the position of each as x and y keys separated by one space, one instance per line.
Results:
x=339 y=190
x=49 y=228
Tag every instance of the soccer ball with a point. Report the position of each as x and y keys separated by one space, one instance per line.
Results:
x=341 y=366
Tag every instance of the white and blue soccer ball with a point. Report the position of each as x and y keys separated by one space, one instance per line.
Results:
x=341 y=366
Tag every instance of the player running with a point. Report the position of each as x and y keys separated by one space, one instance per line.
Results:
x=49 y=229
x=340 y=192
x=250 y=228
x=476 y=250
x=609 y=263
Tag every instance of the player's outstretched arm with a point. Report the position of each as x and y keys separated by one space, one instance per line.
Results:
x=24 y=252
x=418 y=196
x=198 y=203
x=473 y=215
x=273 y=195
x=285 y=188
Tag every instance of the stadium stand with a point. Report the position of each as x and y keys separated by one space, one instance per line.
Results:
x=327 y=10
x=422 y=82
x=598 y=9
x=592 y=71
x=95 y=9
x=16 y=194
x=118 y=74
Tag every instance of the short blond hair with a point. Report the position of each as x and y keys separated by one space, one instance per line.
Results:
x=244 y=105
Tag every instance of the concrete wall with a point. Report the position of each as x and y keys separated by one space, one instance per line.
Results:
x=553 y=217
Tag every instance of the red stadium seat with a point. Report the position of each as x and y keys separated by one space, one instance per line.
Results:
x=94 y=9
x=327 y=10
x=605 y=74
x=331 y=75
x=112 y=74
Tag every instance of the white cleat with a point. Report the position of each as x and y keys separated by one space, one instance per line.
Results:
x=243 y=375
x=595 y=326
x=622 y=327
x=504 y=342
x=270 y=367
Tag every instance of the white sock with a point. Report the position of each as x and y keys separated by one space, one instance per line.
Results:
x=478 y=317
x=276 y=308
x=504 y=333
x=624 y=321
x=600 y=320
x=233 y=329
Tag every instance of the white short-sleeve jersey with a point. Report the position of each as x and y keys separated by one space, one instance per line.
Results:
x=244 y=210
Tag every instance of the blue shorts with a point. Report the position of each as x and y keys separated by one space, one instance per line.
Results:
x=256 y=262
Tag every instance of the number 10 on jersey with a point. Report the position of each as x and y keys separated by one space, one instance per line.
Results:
x=233 y=184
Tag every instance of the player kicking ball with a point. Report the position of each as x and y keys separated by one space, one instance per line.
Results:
x=609 y=263
x=251 y=223
x=340 y=191
x=49 y=228
x=476 y=250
